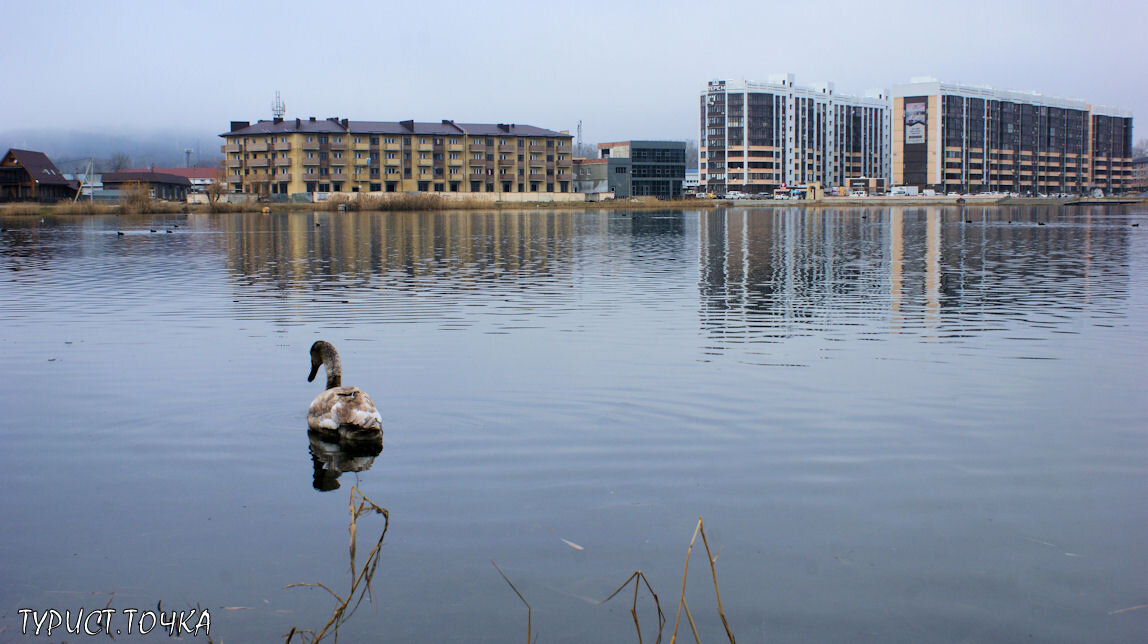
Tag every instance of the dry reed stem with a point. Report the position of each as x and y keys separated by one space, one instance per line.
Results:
x=690 y=619
x=360 y=579
x=699 y=529
x=529 y=610
x=638 y=575
x=713 y=572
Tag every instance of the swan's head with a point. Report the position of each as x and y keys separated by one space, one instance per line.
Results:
x=323 y=352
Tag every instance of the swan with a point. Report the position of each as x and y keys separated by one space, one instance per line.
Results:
x=346 y=410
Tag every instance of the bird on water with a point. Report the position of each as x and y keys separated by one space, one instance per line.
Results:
x=346 y=410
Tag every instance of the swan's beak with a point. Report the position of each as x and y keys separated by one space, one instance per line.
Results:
x=314 y=370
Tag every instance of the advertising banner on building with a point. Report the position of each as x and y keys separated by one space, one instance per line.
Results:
x=916 y=118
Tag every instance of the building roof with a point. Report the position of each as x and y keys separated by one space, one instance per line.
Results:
x=190 y=173
x=1140 y=160
x=923 y=86
x=39 y=167
x=144 y=177
x=641 y=142
x=334 y=125
x=585 y=161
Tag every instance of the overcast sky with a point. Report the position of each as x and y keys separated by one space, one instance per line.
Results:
x=625 y=69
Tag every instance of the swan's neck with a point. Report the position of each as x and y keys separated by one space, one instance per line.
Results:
x=334 y=371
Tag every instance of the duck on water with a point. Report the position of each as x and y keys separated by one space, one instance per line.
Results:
x=347 y=411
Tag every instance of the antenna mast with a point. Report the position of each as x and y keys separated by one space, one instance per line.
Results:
x=579 y=135
x=278 y=108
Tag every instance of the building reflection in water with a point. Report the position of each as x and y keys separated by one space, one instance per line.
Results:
x=762 y=274
x=767 y=275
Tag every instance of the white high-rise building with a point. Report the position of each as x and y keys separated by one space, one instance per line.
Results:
x=758 y=136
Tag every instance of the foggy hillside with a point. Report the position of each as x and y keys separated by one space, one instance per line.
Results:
x=71 y=150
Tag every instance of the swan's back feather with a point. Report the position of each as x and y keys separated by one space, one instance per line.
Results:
x=342 y=407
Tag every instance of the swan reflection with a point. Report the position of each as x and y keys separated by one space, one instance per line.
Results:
x=331 y=456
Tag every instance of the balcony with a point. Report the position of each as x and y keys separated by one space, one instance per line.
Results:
x=258 y=178
x=337 y=146
x=282 y=161
x=282 y=177
x=235 y=163
x=258 y=163
x=311 y=146
x=310 y=176
x=232 y=147
x=282 y=147
x=258 y=147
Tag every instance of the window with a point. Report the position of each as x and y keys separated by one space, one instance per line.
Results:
x=374 y=141
x=620 y=170
x=389 y=139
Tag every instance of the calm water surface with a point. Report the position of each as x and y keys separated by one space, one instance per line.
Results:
x=899 y=425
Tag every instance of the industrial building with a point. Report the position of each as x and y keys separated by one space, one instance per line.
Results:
x=757 y=137
x=158 y=185
x=300 y=156
x=965 y=138
x=635 y=169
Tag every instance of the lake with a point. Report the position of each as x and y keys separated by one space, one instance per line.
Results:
x=897 y=424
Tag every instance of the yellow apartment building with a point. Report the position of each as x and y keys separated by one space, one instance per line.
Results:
x=307 y=156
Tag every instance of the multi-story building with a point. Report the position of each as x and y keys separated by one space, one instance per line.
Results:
x=977 y=139
x=293 y=156
x=1140 y=174
x=759 y=136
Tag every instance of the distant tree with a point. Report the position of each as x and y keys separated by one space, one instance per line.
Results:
x=586 y=151
x=691 y=154
x=1141 y=148
x=216 y=189
x=119 y=161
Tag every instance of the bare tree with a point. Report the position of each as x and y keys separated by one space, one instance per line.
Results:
x=1141 y=148
x=119 y=161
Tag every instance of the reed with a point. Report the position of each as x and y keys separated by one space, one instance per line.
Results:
x=360 y=587
x=639 y=579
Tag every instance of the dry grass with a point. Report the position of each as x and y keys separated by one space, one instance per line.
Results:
x=360 y=577
x=83 y=207
x=21 y=209
x=401 y=202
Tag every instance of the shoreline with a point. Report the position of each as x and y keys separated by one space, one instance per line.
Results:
x=637 y=204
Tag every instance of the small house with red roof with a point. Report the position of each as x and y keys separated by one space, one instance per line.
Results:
x=27 y=175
